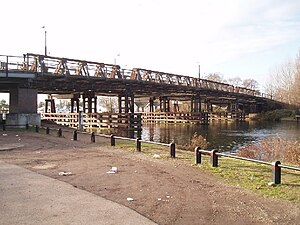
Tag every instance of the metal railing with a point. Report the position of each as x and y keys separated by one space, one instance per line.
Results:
x=112 y=137
x=214 y=155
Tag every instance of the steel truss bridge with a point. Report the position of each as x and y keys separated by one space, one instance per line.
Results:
x=55 y=75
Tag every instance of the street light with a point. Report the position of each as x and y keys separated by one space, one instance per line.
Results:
x=115 y=59
x=199 y=74
x=43 y=27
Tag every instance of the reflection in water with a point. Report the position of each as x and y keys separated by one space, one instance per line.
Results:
x=220 y=134
x=223 y=135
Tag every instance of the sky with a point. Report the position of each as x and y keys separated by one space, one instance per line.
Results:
x=244 y=38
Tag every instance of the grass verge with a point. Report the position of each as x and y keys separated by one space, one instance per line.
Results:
x=252 y=176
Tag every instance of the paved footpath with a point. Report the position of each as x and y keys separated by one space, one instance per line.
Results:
x=30 y=198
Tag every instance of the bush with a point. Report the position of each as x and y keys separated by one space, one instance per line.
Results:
x=272 y=149
x=277 y=115
x=196 y=141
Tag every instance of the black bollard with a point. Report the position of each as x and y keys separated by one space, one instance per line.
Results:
x=197 y=155
x=27 y=126
x=36 y=128
x=75 y=135
x=47 y=130
x=93 y=137
x=138 y=144
x=276 y=172
x=172 y=150
x=214 y=158
x=59 y=132
x=4 y=127
x=112 y=140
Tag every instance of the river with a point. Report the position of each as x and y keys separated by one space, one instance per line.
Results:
x=222 y=135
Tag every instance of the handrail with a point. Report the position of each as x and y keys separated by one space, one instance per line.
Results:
x=155 y=143
x=243 y=158
x=276 y=166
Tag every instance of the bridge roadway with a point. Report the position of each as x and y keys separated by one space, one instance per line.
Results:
x=54 y=75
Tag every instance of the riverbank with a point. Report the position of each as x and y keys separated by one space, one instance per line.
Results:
x=168 y=191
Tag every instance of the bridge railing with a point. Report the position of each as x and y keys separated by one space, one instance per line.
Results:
x=46 y=65
x=11 y=63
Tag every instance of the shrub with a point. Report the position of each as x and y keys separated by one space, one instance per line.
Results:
x=196 y=141
x=277 y=115
x=272 y=149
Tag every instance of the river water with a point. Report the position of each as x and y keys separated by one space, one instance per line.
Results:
x=222 y=135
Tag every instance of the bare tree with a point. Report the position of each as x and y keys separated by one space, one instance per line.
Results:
x=109 y=103
x=285 y=82
x=251 y=84
x=235 y=81
x=215 y=77
x=3 y=105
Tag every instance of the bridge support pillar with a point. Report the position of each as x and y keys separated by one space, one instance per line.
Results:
x=253 y=108
x=196 y=104
x=126 y=103
x=175 y=106
x=89 y=102
x=23 y=108
x=164 y=104
x=75 y=102
x=151 y=102
x=233 y=107
x=52 y=105
x=208 y=106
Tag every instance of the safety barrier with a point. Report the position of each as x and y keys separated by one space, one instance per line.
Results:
x=214 y=156
x=93 y=135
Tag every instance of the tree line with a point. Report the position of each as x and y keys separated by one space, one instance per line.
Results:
x=235 y=81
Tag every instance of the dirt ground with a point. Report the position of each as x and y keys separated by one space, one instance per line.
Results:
x=167 y=191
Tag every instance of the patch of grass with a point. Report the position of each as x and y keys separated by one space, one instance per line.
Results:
x=252 y=176
x=126 y=145
x=255 y=177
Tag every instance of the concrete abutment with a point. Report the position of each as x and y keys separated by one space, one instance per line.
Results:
x=23 y=107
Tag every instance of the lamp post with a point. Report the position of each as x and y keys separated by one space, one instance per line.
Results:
x=115 y=59
x=199 y=74
x=45 y=40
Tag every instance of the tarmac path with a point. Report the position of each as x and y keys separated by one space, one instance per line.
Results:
x=30 y=198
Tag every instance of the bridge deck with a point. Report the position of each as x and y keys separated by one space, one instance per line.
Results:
x=54 y=75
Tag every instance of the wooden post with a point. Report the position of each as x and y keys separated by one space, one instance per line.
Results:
x=276 y=172
x=3 y=127
x=197 y=155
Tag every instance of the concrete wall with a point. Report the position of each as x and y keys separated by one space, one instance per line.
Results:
x=21 y=119
x=23 y=100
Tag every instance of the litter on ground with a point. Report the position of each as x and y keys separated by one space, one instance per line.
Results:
x=64 y=173
x=113 y=170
